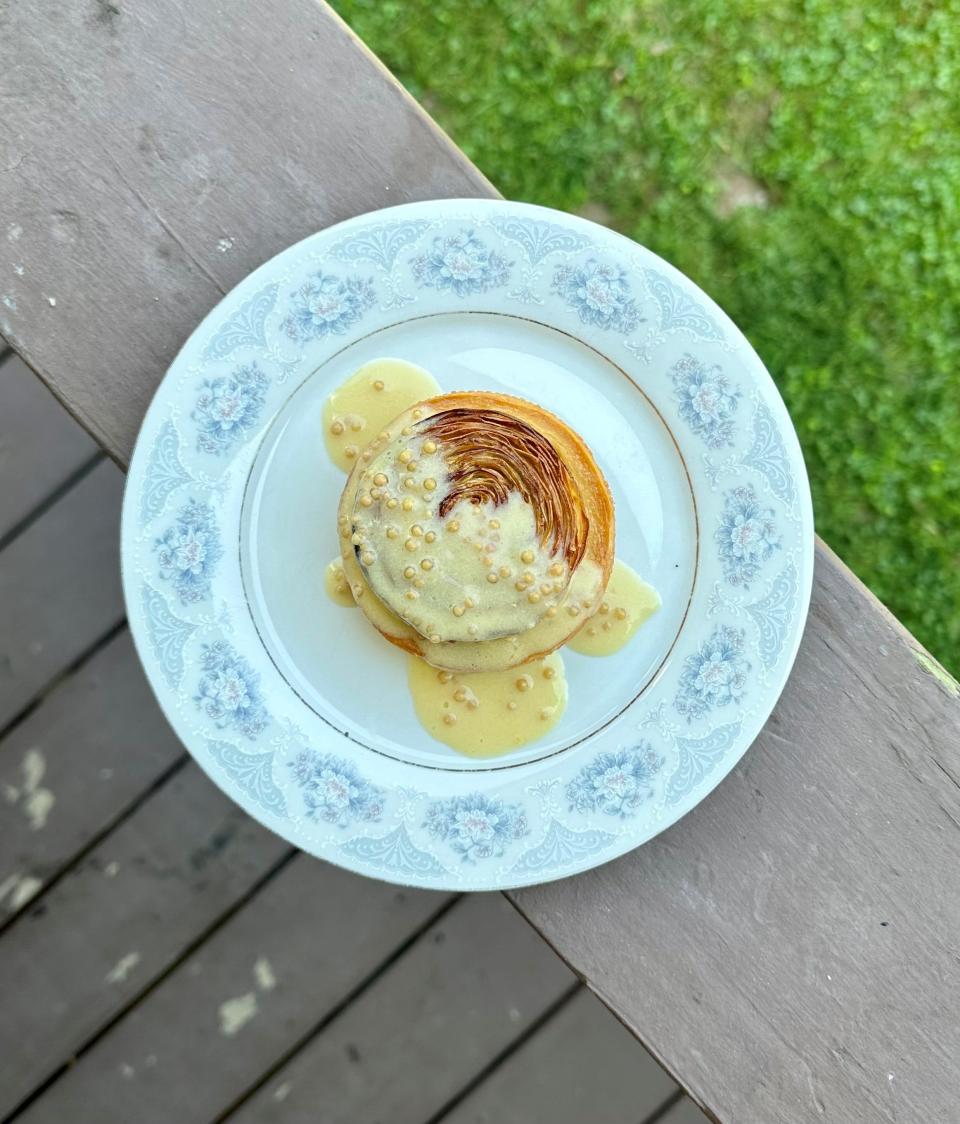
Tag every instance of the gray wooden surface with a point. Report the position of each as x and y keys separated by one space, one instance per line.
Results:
x=164 y=959
x=803 y=921
x=76 y=764
x=733 y=945
x=40 y=450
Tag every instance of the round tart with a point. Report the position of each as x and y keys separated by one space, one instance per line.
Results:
x=477 y=531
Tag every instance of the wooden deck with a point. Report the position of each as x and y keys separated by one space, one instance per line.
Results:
x=163 y=958
x=787 y=950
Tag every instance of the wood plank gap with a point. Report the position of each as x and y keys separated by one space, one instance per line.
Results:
x=494 y=1064
x=54 y=497
x=31 y=705
x=643 y=1040
x=139 y=996
x=79 y=856
x=661 y=1112
x=367 y=982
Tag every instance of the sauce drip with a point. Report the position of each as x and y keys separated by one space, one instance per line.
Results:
x=488 y=713
x=627 y=603
x=373 y=396
x=336 y=584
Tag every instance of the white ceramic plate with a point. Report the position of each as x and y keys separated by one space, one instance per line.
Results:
x=298 y=709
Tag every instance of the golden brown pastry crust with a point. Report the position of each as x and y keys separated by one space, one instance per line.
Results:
x=499 y=444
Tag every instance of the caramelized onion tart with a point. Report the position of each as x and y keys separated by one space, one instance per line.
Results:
x=477 y=531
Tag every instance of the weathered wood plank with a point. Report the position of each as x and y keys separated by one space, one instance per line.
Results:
x=75 y=960
x=78 y=762
x=790 y=949
x=199 y=147
x=468 y=988
x=264 y=980
x=40 y=445
x=581 y=1066
x=59 y=588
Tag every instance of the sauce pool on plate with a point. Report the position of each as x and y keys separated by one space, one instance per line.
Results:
x=627 y=603
x=487 y=713
x=373 y=396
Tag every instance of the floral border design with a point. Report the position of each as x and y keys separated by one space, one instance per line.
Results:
x=272 y=331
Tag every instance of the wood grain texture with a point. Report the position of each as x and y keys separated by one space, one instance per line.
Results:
x=76 y=764
x=468 y=988
x=78 y=957
x=40 y=447
x=789 y=949
x=581 y=1066
x=243 y=1000
x=59 y=588
x=154 y=154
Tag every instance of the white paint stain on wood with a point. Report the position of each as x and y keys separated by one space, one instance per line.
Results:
x=38 y=806
x=127 y=1071
x=282 y=1091
x=18 y=270
x=112 y=869
x=14 y=230
x=123 y=967
x=19 y=888
x=263 y=974
x=52 y=301
x=38 y=801
x=10 y=302
x=225 y=245
x=236 y=1013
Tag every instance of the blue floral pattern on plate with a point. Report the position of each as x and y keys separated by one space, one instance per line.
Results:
x=246 y=327
x=698 y=757
x=166 y=472
x=617 y=783
x=472 y=825
x=678 y=311
x=707 y=400
x=540 y=239
x=188 y=552
x=600 y=294
x=395 y=853
x=773 y=613
x=462 y=264
x=334 y=792
x=715 y=675
x=229 y=691
x=228 y=407
x=168 y=635
x=768 y=455
x=476 y=827
x=380 y=244
x=561 y=846
x=253 y=772
x=328 y=305
x=747 y=536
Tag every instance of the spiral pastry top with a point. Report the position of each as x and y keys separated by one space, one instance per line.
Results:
x=483 y=527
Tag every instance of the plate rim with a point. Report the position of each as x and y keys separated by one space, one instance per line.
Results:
x=441 y=210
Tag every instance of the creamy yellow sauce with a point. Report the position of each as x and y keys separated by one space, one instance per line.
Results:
x=627 y=603
x=490 y=712
x=477 y=573
x=336 y=584
x=373 y=396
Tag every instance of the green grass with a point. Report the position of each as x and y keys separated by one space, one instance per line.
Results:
x=845 y=117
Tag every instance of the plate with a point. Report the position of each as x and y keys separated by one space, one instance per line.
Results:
x=298 y=709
